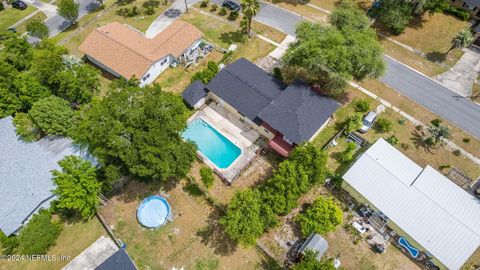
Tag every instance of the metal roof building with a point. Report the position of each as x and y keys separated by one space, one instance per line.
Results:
x=25 y=177
x=440 y=216
x=315 y=243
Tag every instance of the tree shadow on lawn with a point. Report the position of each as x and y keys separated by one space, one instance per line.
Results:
x=437 y=56
x=233 y=37
x=419 y=141
x=214 y=236
x=135 y=190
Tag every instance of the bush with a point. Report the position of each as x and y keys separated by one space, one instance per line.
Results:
x=149 y=10
x=457 y=152
x=233 y=15
x=362 y=106
x=393 y=140
x=466 y=140
x=2 y=7
x=151 y=3
x=8 y=244
x=401 y=121
x=353 y=122
x=443 y=167
x=226 y=57
x=460 y=13
x=204 y=3
x=222 y=11
x=322 y=217
x=206 y=74
x=277 y=73
x=25 y=127
x=347 y=154
x=39 y=234
x=207 y=176
x=383 y=125
x=214 y=8
x=128 y=12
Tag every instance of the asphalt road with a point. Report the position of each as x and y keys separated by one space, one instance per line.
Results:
x=433 y=96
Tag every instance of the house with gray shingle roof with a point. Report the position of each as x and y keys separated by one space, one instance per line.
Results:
x=25 y=174
x=290 y=115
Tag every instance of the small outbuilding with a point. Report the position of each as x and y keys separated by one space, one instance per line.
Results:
x=195 y=94
x=316 y=243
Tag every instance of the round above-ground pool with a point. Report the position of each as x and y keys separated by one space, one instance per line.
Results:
x=153 y=212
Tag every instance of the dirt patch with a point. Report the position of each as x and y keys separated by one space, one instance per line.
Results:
x=192 y=237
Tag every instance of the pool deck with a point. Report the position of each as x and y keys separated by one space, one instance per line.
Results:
x=239 y=133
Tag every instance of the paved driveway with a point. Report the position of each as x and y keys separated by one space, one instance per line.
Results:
x=462 y=76
x=48 y=9
x=433 y=96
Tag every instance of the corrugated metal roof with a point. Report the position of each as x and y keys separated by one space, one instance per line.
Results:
x=315 y=243
x=25 y=177
x=438 y=214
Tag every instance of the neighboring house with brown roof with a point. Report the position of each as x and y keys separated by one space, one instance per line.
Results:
x=125 y=52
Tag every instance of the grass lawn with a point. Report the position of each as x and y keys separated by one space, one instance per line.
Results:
x=476 y=91
x=22 y=28
x=474 y=261
x=325 y=4
x=10 y=16
x=193 y=237
x=432 y=35
x=411 y=59
x=73 y=239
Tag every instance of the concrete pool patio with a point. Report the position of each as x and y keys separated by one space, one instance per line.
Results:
x=236 y=131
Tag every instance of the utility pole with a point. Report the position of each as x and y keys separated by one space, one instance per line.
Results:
x=186 y=6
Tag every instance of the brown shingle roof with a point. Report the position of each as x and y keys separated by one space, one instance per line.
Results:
x=129 y=53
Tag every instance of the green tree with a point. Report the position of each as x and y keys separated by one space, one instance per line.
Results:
x=207 y=176
x=17 y=52
x=78 y=83
x=25 y=128
x=462 y=40
x=47 y=63
x=326 y=56
x=347 y=154
x=29 y=90
x=438 y=132
x=395 y=15
x=246 y=218
x=321 y=217
x=250 y=9
x=53 y=115
x=312 y=161
x=353 y=122
x=349 y=16
x=207 y=74
x=77 y=187
x=39 y=29
x=138 y=130
x=362 y=105
x=39 y=234
x=310 y=262
x=68 y=9
x=383 y=125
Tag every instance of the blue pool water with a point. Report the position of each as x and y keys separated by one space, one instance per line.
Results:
x=153 y=211
x=211 y=143
x=404 y=243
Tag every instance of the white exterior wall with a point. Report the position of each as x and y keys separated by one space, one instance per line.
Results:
x=102 y=66
x=156 y=69
x=193 y=46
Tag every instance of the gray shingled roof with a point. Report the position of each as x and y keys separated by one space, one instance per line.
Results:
x=298 y=112
x=245 y=87
x=25 y=178
x=118 y=261
x=194 y=93
x=315 y=243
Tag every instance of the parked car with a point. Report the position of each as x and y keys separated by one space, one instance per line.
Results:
x=231 y=5
x=367 y=121
x=18 y=4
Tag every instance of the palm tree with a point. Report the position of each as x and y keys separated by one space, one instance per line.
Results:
x=438 y=131
x=462 y=40
x=250 y=8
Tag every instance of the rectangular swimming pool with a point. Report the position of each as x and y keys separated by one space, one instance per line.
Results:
x=211 y=143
